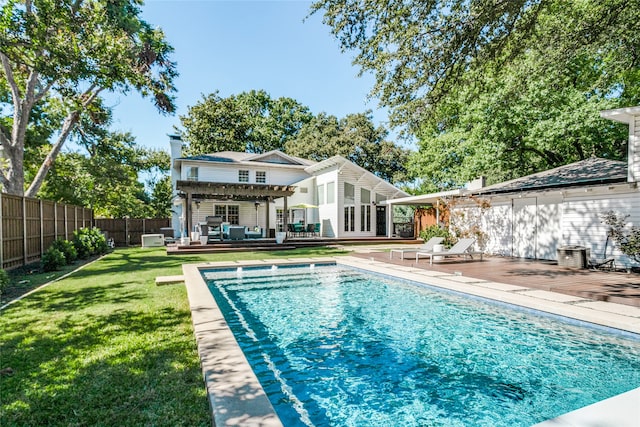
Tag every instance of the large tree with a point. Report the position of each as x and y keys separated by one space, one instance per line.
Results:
x=420 y=50
x=497 y=88
x=69 y=52
x=250 y=121
x=106 y=177
x=537 y=111
x=354 y=137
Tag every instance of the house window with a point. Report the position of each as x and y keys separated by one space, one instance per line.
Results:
x=229 y=213
x=243 y=176
x=280 y=219
x=261 y=177
x=349 y=218
x=349 y=194
x=320 y=193
x=233 y=214
x=192 y=174
x=365 y=217
x=331 y=192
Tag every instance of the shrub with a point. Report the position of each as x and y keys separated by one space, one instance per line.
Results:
x=627 y=239
x=67 y=248
x=4 y=281
x=53 y=259
x=437 y=231
x=89 y=242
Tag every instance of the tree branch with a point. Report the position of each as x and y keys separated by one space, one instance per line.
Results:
x=69 y=122
x=15 y=90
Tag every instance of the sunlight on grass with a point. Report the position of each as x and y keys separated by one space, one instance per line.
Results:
x=106 y=346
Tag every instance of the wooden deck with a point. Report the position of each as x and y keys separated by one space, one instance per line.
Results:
x=618 y=287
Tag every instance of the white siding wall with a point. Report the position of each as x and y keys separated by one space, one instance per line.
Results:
x=548 y=226
x=329 y=211
x=229 y=173
x=497 y=223
x=634 y=150
x=552 y=220
x=582 y=224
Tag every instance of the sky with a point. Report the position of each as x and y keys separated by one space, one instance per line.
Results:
x=238 y=46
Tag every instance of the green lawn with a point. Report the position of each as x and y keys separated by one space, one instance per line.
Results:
x=106 y=346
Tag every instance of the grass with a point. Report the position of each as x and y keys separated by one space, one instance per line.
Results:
x=105 y=346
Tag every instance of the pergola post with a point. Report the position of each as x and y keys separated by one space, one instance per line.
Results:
x=267 y=216
x=187 y=212
x=285 y=216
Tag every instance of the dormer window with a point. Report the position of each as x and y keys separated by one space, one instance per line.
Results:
x=192 y=174
x=243 y=176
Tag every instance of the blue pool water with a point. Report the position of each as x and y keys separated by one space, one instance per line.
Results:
x=338 y=347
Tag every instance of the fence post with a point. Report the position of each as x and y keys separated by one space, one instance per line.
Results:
x=24 y=230
x=66 y=227
x=41 y=228
x=126 y=231
x=1 y=235
x=55 y=220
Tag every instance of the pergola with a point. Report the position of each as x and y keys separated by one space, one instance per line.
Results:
x=191 y=190
x=432 y=199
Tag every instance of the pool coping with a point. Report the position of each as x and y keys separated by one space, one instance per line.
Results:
x=237 y=398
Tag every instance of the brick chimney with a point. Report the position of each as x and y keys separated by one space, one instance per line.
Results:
x=630 y=116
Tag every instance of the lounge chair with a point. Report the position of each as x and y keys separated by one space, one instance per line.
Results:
x=425 y=247
x=460 y=249
x=604 y=263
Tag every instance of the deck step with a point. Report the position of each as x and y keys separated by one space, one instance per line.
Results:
x=169 y=280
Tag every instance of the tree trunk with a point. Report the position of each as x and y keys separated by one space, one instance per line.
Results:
x=67 y=126
x=12 y=176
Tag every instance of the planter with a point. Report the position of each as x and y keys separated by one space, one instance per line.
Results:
x=280 y=237
x=438 y=248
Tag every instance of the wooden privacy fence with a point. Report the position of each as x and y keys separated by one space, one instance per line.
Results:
x=29 y=226
x=128 y=231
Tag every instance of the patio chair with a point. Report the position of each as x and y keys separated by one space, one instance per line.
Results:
x=460 y=249
x=236 y=233
x=425 y=247
x=311 y=229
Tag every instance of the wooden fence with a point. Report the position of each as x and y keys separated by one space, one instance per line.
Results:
x=128 y=231
x=29 y=226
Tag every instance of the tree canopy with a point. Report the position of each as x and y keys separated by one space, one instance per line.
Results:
x=250 y=121
x=66 y=53
x=354 y=137
x=107 y=178
x=418 y=50
x=501 y=88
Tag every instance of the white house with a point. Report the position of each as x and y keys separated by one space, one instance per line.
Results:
x=532 y=216
x=260 y=190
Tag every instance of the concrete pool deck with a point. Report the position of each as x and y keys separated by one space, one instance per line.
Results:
x=237 y=398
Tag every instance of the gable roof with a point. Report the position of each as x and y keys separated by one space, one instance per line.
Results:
x=274 y=157
x=341 y=162
x=591 y=171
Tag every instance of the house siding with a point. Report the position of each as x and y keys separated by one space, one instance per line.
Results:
x=582 y=224
x=634 y=150
x=229 y=173
x=329 y=211
x=537 y=225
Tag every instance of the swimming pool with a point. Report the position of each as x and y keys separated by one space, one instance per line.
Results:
x=334 y=346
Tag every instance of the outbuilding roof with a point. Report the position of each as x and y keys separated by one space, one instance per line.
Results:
x=591 y=171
